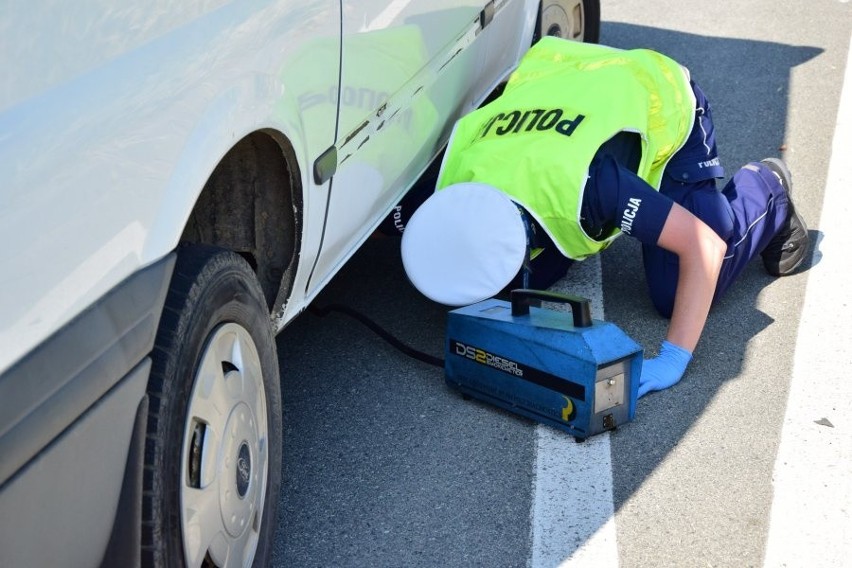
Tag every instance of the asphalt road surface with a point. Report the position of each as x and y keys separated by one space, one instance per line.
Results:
x=746 y=462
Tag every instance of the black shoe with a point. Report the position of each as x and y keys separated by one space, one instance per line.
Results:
x=787 y=249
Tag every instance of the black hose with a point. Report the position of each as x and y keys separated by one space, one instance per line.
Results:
x=381 y=332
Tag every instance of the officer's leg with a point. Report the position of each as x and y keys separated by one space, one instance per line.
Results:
x=747 y=214
x=707 y=203
x=759 y=205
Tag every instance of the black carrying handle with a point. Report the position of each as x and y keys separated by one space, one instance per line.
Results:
x=579 y=306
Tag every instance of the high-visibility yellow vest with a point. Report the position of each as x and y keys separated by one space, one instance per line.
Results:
x=536 y=141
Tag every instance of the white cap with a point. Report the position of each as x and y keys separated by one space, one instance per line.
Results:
x=464 y=244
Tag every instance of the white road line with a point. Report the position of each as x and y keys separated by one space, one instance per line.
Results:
x=572 y=517
x=811 y=518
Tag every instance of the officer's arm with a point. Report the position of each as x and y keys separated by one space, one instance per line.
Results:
x=700 y=252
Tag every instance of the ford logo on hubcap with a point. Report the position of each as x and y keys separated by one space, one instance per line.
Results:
x=243 y=469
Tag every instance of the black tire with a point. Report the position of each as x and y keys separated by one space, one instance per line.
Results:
x=578 y=20
x=215 y=319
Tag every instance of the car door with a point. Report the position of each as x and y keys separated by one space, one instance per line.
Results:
x=409 y=68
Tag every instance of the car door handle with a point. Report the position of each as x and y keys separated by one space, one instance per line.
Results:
x=486 y=15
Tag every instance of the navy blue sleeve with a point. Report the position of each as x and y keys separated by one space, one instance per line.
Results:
x=615 y=197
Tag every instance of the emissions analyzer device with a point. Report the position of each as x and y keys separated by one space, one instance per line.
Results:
x=571 y=372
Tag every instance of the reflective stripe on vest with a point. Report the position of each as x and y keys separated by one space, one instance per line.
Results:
x=536 y=141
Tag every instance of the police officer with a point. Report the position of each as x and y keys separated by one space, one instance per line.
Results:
x=586 y=143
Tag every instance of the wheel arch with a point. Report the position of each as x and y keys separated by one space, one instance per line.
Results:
x=252 y=204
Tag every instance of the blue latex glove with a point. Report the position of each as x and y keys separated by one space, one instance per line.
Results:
x=664 y=370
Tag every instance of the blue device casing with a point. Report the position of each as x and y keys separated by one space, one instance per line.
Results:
x=566 y=370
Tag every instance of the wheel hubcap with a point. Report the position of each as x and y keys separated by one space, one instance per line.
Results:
x=563 y=19
x=225 y=453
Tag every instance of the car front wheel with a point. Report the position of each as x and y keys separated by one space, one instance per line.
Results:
x=213 y=449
